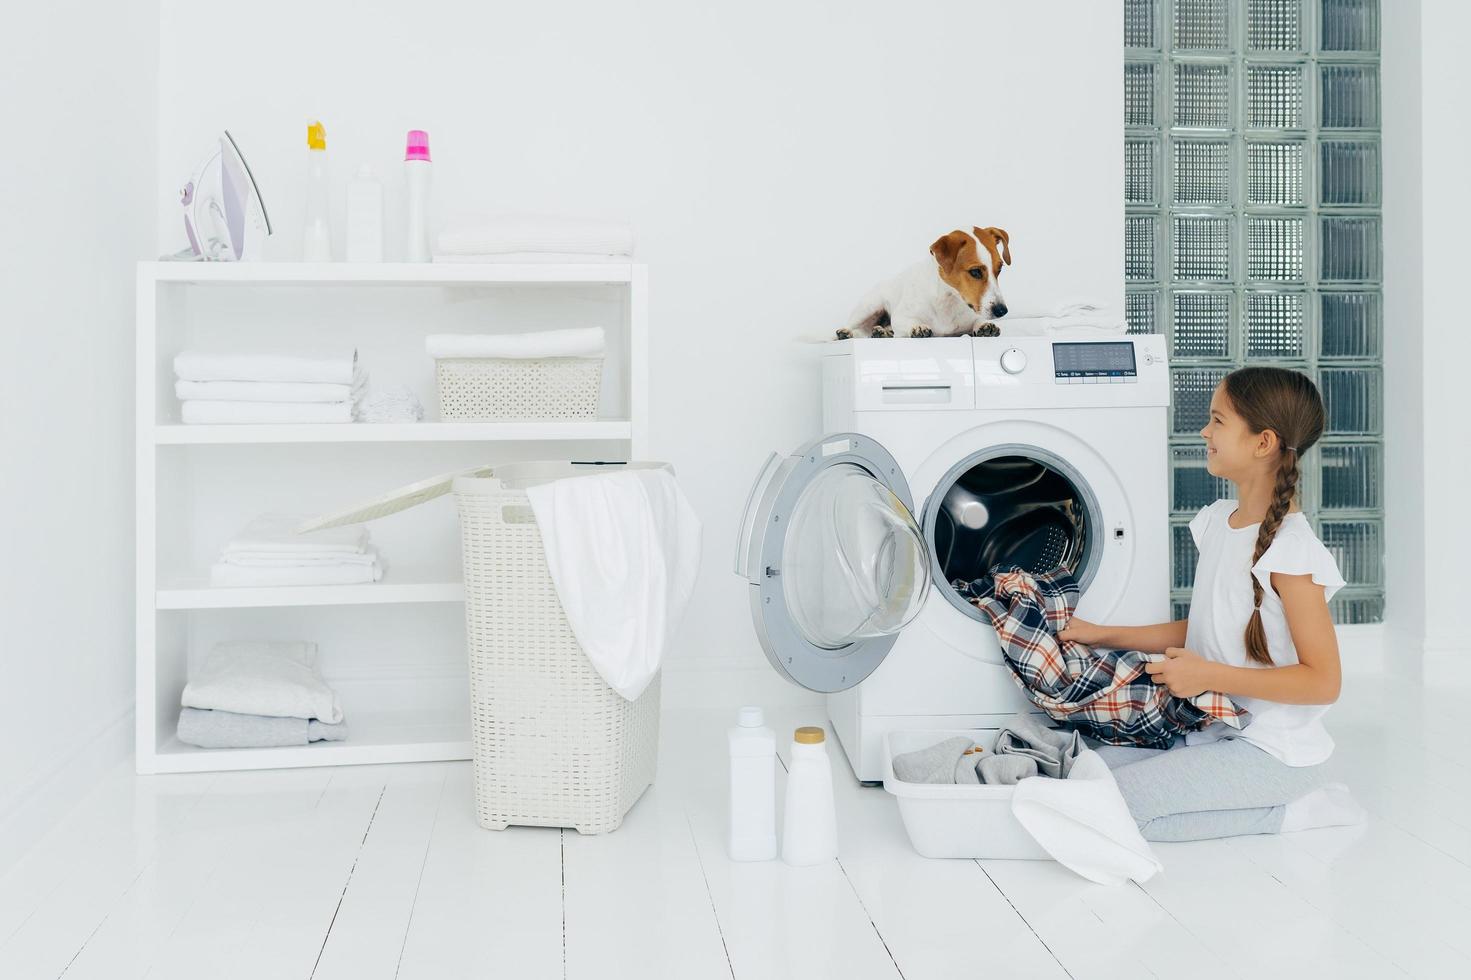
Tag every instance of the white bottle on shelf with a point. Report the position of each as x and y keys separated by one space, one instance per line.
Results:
x=810 y=828
x=417 y=168
x=365 y=217
x=752 y=834
x=317 y=236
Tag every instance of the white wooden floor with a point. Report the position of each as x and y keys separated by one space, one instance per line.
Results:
x=369 y=872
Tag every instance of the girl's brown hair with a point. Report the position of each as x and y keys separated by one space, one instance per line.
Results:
x=1288 y=403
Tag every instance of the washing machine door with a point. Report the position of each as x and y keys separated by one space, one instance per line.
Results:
x=836 y=562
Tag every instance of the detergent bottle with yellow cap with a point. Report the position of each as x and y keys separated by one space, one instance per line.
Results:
x=810 y=826
x=317 y=236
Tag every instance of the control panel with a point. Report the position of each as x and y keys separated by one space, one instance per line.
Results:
x=1093 y=362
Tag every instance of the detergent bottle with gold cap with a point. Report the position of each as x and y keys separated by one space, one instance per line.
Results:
x=317 y=236
x=810 y=827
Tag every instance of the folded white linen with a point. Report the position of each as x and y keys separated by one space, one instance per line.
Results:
x=532 y=258
x=623 y=550
x=1084 y=823
x=578 y=342
x=324 y=369
x=276 y=534
x=396 y=404
x=269 y=391
x=265 y=559
x=264 y=413
x=538 y=233
x=227 y=575
x=263 y=678
x=1069 y=317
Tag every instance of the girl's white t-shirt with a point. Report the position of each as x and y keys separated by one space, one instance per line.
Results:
x=1221 y=604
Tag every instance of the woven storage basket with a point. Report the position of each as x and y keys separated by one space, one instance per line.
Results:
x=554 y=745
x=493 y=389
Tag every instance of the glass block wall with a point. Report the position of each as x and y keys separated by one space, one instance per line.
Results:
x=1252 y=236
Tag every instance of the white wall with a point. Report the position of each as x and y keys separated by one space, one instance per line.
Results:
x=1445 y=151
x=1426 y=341
x=78 y=120
x=1404 y=334
x=774 y=158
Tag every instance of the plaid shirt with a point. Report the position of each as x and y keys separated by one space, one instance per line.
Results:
x=1105 y=693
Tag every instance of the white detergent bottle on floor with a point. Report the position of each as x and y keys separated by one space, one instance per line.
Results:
x=317 y=236
x=810 y=830
x=417 y=169
x=752 y=788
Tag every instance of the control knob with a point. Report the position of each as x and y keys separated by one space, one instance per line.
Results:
x=1013 y=361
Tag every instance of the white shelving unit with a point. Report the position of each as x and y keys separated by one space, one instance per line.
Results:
x=394 y=650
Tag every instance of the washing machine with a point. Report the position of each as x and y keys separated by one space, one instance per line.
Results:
x=944 y=457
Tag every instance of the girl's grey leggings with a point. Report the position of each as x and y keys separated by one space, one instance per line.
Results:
x=1197 y=792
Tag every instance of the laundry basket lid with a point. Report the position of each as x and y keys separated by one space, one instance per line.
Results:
x=394 y=500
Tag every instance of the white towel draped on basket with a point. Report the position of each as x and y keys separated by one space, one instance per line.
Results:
x=623 y=551
x=579 y=342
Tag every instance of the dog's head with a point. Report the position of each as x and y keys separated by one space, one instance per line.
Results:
x=970 y=263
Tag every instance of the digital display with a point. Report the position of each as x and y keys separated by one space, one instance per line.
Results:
x=1109 y=359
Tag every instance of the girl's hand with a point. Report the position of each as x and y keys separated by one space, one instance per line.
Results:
x=1185 y=673
x=1082 y=631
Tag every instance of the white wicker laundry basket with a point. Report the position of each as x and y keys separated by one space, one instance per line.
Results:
x=554 y=745
x=496 y=389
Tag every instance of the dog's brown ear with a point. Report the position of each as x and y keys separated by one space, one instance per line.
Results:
x=997 y=235
x=947 y=247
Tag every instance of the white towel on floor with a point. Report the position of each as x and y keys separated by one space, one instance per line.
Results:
x=269 y=391
x=265 y=413
x=1084 y=823
x=623 y=550
x=275 y=534
x=530 y=258
x=1084 y=318
x=263 y=678
x=538 y=233
x=327 y=369
x=580 y=342
x=229 y=575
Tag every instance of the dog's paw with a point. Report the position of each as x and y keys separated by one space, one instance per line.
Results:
x=845 y=334
x=987 y=329
x=883 y=330
x=921 y=331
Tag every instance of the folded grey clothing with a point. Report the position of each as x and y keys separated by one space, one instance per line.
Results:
x=1006 y=770
x=231 y=730
x=950 y=761
x=1052 y=749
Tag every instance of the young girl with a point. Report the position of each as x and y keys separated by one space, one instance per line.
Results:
x=1259 y=630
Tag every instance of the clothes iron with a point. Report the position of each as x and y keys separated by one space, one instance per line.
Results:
x=224 y=214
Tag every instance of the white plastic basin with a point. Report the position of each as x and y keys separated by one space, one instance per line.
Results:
x=945 y=820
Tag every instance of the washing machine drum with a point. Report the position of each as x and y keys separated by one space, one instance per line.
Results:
x=1009 y=509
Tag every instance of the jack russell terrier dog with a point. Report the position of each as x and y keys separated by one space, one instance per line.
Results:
x=955 y=294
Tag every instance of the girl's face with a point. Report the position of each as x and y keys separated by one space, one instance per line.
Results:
x=1232 y=451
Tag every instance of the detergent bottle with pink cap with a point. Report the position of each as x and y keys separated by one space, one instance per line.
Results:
x=416 y=174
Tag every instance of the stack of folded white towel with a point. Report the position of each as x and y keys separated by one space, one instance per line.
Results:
x=267 y=388
x=257 y=695
x=536 y=238
x=1082 y=317
x=270 y=552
